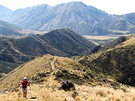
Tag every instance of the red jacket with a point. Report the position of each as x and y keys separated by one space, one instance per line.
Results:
x=24 y=84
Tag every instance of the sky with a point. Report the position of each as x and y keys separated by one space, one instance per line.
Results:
x=118 y=7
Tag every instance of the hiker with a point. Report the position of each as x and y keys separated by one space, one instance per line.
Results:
x=24 y=84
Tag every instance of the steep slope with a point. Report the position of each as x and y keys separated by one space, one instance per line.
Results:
x=61 y=42
x=117 y=62
x=9 y=30
x=28 y=16
x=64 y=37
x=111 y=45
x=53 y=69
x=12 y=31
x=84 y=19
x=4 y=11
x=71 y=15
x=129 y=17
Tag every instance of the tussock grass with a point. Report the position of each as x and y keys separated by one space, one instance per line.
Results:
x=32 y=68
x=84 y=93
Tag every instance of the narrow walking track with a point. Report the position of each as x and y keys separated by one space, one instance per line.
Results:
x=51 y=78
x=51 y=83
x=52 y=63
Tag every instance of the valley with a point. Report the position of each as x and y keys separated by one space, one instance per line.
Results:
x=68 y=52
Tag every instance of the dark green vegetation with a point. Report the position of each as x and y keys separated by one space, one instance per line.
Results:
x=116 y=59
x=86 y=20
x=60 y=42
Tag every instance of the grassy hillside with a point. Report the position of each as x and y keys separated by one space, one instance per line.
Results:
x=60 y=42
x=12 y=31
x=115 y=59
x=95 y=77
x=59 y=68
x=90 y=85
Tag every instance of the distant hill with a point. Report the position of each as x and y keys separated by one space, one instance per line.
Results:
x=60 y=42
x=85 y=20
x=12 y=31
x=27 y=16
x=4 y=11
x=115 y=60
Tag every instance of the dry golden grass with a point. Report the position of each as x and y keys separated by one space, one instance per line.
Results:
x=32 y=68
x=100 y=37
x=131 y=41
x=47 y=92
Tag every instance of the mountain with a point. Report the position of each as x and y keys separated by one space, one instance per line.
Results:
x=12 y=31
x=27 y=16
x=4 y=11
x=115 y=59
x=61 y=42
x=46 y=74
x=86 y=20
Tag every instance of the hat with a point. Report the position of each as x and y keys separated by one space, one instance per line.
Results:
x=25 y=78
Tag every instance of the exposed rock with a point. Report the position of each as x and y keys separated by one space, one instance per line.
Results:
x=42 y=74
x=64 y=71
x=66 y=85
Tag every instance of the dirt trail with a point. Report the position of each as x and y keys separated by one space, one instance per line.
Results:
x=52 y=63
x=52 y=69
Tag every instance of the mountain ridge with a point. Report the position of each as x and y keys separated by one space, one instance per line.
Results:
x=115 y=59
x=60 y=42
x=86 y=20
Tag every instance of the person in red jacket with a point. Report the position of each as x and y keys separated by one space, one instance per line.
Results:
x=24 y=84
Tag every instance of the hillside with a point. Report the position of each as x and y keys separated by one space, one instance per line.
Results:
x=46 y=74
x=12 y=31
x=60 y=42
x=27 y=16
x=84 y=19
x=116 y=61
x=4 y=11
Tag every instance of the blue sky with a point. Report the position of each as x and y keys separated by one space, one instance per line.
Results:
x=109 y=6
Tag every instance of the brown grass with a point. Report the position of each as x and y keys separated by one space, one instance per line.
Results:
x=100 y=37
x=42 y=92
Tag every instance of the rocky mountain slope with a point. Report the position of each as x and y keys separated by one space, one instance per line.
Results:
x=12 y=31
x=86 y=20
x=61 y=42
x=115 y=60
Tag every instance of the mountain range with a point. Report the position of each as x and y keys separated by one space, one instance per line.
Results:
x=85 y=20
x=59 y=42
x=62 y=53
x=112 y=61
x=108 y=66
